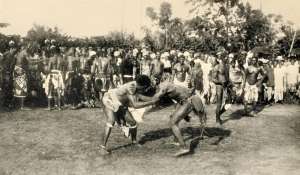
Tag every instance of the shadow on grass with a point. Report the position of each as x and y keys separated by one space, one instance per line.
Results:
x=238 y=114
x=192 y=131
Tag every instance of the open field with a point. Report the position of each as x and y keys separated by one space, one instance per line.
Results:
x=65 y=142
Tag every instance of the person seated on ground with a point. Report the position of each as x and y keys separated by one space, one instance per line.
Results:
x=116 y=102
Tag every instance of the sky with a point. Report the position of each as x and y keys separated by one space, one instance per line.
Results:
x=84 y=18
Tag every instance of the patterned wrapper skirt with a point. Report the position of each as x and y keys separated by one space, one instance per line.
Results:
x=20 y=82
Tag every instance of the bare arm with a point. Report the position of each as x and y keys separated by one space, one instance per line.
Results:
x=214 y=76
x=144 y=98
x=137 y=105
x=264 y=76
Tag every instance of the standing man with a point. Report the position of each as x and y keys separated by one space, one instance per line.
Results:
x=181 y=71
x=9 y=61
x=236 y=77
x=251 y=86
x=20 y=77
x=220 y=78
x=157 y=68
x=103 y=72
x=279 y=80
x=127 y=68
x=270 y=82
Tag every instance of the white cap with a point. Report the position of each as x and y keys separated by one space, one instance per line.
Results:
x=116 y=53
x=263 y=60
x=153 y=55
x=173 y=52
x=280 y=58
x=186 y=54
x=179 y=54
x=11 y=43
x=250 y=55
x=92 y=53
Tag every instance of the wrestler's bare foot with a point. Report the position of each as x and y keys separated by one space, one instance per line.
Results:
x=173 y=143
x=219 y=121
x=182 y=152
x=253 y=114
x=25 y=109
x=103 y=149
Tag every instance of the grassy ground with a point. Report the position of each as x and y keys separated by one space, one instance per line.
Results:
x=65 y=142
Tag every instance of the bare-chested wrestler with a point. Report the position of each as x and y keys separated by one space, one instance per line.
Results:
x=157 y=68
x=220 y=78
x=116 y=102
x=180 y=72
x=186 y=102
x=251 y=86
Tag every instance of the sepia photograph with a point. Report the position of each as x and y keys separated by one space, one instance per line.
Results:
x=149 y=87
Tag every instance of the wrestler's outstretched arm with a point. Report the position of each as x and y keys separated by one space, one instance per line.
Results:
x=133 y=103
x=144 y=98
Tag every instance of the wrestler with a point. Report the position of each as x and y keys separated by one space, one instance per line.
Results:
x=116 y=102
x=186 y=102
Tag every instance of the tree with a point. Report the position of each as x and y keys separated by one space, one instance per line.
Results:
x=3 y=25
x=163 y=21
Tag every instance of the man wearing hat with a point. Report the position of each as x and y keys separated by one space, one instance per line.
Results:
x=279 y=80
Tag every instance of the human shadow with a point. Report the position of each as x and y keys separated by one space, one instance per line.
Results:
x=236 y=115
x=194 y=132
x=121 y=147
x=240 y=113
